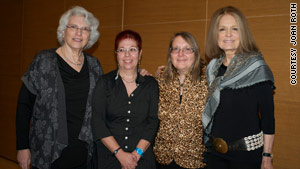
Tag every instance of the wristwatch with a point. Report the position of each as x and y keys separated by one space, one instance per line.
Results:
x=267 y=155
x=116 y=151
x=139 y=151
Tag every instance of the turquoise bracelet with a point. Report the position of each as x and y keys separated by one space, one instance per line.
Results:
x=139 y=151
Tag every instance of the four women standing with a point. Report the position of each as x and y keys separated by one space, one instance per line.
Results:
x=125 y=104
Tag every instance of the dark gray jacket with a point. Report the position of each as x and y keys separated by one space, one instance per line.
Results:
x=48 y=132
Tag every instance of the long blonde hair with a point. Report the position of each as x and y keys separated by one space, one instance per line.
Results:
x=196 y=69
x=247 y=42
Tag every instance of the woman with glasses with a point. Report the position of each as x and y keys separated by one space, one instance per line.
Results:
x=125 y=106
x=55 y=98
x=183 y=90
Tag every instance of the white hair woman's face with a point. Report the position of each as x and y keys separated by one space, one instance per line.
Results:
x=77 y=33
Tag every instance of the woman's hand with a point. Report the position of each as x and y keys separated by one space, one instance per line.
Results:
x=136 y=155
x=266 y=163
x=159 y=70
x=127 y=160
x=145 y=72
x=23 y=158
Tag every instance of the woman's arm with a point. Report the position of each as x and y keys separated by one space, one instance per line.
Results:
x=99 y=102
x=268 y=146
x=143 y=145
x=152 y=122
x=266 y=104
x=25 y=104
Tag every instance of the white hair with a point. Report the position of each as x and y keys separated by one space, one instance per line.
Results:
x=89 y=18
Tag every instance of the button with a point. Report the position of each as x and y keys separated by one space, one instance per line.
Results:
x=126 y=147
x=128 y=120
x=129 y=102
x=126 y=128
x=126 y=137
x=132 y=95
x=128 y=111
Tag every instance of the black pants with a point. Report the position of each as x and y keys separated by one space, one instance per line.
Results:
x=55 y=165
x=173 y=165
x=216 y=162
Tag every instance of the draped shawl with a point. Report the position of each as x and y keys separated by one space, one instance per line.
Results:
x=243 y=71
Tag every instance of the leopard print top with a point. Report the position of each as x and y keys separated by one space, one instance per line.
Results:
x=179 y=137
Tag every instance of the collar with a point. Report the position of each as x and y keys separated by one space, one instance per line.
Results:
x=139 y=78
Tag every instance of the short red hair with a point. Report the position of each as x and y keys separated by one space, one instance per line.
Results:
x=128 y=34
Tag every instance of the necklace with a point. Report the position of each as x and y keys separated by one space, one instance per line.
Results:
x=181 y=84
x=131 y=81
x=76 y=64
x=128 y=81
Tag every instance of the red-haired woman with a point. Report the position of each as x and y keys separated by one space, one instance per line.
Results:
x=125 y=107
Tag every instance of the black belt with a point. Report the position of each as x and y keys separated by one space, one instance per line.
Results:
x=249 y=143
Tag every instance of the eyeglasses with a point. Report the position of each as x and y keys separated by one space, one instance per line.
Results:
x=186 y=50
x=76 y=28
x=131 y=50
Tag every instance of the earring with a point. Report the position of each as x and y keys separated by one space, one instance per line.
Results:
x=117 y=76
x=138 y=66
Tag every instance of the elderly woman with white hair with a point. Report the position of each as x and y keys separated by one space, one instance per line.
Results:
x=55 y=99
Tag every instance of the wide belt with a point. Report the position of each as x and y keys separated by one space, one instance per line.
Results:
x=248 y=143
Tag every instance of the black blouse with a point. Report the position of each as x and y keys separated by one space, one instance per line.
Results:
x=238 y=115
x=127 y=118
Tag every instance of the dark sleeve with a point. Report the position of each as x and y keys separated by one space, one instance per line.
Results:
x=24 y=112
x=100 y=68
x=99 y=111
x=266 y=104
x=152 y=120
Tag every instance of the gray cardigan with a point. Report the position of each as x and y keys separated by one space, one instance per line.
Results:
x=48 y=132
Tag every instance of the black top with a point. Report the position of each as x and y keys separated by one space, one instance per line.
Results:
x=238 y=115
x=24 y=112
x=76 y=85
x=127 y=118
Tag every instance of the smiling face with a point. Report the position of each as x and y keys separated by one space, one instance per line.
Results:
x=76 y=35
x=228 y=36
x=129 y=58
x=181 y=60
